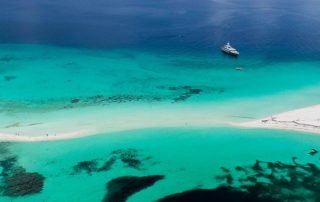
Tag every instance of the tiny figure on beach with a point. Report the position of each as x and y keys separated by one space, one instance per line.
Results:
x=313 y=152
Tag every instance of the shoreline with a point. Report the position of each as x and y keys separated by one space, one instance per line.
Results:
x=61 y=136
x=63 y=126
x=6 y=137
x=89 y=121
x=303 y=120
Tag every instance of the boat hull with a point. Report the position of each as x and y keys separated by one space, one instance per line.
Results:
x=230 y=53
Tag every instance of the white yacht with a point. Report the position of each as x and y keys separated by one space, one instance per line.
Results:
x=229 y=50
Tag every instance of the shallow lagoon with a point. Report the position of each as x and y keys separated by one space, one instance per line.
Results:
x=49 y=90
x=188 y=158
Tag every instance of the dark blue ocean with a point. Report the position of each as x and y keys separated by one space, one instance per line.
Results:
x=271 y=28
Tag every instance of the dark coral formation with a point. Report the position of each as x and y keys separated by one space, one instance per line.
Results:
x=185 y=92
x=128 y=157
x=107 y=165
x=182 y=93
x=282 y=181
x=8 y=164
x=8 y=161
x=87 y=166
x=15 y=180
x=115 y=99
x=174 y=94
x=9 y=78
x=76 y=100
x=119 y=189
x=4 y=150
x=22 y=183
x=178 y=94
x=220 y=194
x=68 y=103
x=313 y=152
x=93 y=166
x=261 y=181
x=7 y=58
x=189 y=92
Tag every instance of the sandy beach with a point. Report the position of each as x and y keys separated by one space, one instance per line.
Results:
x=60 y=136
x=304 y=120
x=67 y=124
x=79 y=123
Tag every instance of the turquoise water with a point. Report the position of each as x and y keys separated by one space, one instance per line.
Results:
x=188 y=158
x=39 y=80
x=76 y=65
x=36 y=76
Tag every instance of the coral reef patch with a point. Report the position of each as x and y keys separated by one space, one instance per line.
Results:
x=15 y=181
x=261 y=181
x=129 y=157
x=22 y=183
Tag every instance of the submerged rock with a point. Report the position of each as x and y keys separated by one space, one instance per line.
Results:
x=119 y=189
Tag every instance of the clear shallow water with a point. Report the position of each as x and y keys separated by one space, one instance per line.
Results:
x=35 y=76
x=188 y=158
x=72 y=55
